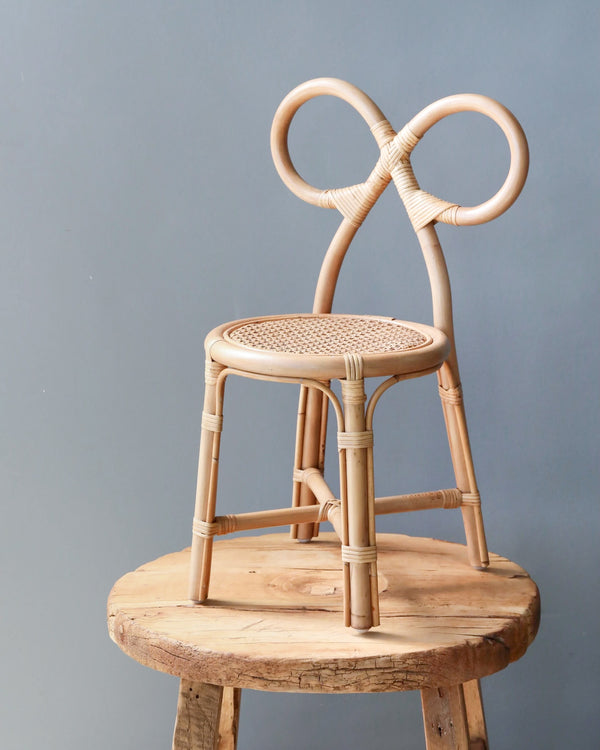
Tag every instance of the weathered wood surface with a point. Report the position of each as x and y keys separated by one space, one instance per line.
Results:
x=208 y=717
x=478 y=739
x=229 y=723
x=274 y=620
x=198 y=712
x=445 y=718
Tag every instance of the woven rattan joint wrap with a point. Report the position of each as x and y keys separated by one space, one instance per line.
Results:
x=212 y=371
x=334 y=335
x=399 y=148
x=204 y=529
x=383 y=132
x=471 y=498
x=355 y=201
x=355 y=439
x=354 y=364
x=359 y=554
x=325 y=509
x=451 y=498
x=227 y=524
x=212 y=422
x=451 y=395
x=353 y=391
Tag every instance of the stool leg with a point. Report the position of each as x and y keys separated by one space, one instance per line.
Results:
x=198 y=714
x=462 y=461
x=230 y=718
x=206 y=490
x=445 y=718
x=358 y=551
x=475 y=716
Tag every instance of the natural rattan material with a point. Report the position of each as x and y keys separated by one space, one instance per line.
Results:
x=327 y=335
x=316 y=348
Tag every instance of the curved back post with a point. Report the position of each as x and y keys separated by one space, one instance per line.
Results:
x=347 y=200
x=424 y=209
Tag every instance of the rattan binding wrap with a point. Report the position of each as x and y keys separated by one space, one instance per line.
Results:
x=327 y=335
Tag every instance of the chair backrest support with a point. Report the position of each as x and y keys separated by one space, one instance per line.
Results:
x=424 y=209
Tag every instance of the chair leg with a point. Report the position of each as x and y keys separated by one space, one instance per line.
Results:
x=310 y=451
x=358 y=550
x=206 y=490
x=462 y=461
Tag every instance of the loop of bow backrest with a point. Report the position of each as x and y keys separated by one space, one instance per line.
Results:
x=355 y=201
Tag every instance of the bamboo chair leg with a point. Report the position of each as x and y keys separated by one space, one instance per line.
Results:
x=445 y=718
x=198 y=714
x=462 y=461
x=309 y=452
x=360 y=554
x=206 y=489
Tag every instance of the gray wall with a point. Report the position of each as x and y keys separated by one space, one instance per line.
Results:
x=139 y=207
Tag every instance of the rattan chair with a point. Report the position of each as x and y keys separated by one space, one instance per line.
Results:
x=313 y=349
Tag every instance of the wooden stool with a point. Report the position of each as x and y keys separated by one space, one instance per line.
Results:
x=273 y=623
x=276 y=613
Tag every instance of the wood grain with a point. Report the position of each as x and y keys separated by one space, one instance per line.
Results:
x=445 y=718
x=198 y=712
x=274 y=620
x=230 y=718
x=478 y=739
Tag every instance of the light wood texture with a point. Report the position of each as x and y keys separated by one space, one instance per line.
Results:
x=273 y=621
x=360 y=516
x=445 y=718
x=198 y=714
x=478 y=739
x=230 y=718
x=206 y=488
x=453 y=717
x=312 y=452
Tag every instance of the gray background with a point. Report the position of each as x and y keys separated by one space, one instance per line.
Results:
x=139 y=207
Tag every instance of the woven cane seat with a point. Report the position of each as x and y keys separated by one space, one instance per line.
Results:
x=315 y=345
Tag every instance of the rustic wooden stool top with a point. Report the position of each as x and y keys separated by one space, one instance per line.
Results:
x=443 y=624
